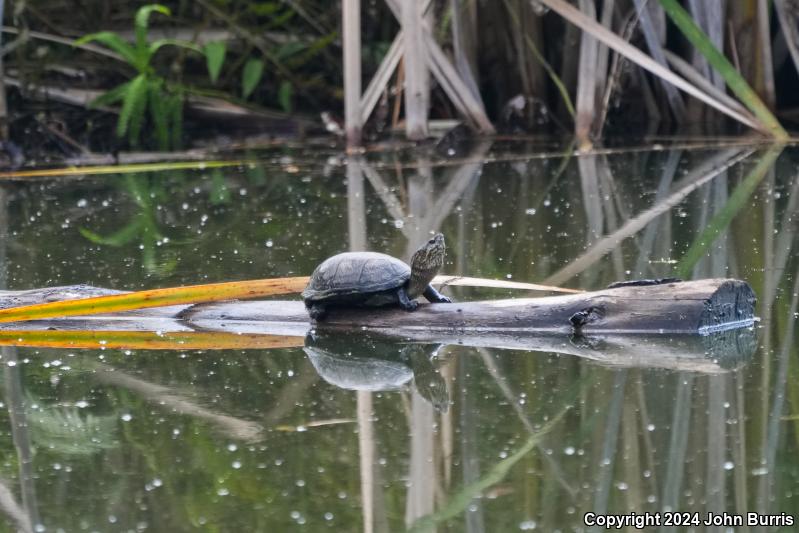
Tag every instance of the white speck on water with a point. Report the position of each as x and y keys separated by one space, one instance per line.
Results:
x=328 y=516
x=39 y=528
x=82 y=202
x=269 y=243
x=236 y=465
x=80 y=404
x=11 y=363
x=112 y=519
x=651 y=498
x=650 y=427
x=569 y=450
x=622 y=485
x=729 y=465
x=232 y=447
x=759 y=471
x=56 y=466
x=157 y=482
x=399 y=224
x=127 y=417
x=297 y=516
x=300 y=482
x=222 y=491
x=528 y=525
x=530 y=211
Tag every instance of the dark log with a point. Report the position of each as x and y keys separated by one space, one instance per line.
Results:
x=699 y=325
x=691 y=307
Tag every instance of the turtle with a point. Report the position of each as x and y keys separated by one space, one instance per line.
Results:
x=365 y=363
x=369 y=279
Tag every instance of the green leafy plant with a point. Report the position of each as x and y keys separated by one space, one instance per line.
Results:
x=148 y=91
x=143 y=227
x=214 y=57
x=250 y=76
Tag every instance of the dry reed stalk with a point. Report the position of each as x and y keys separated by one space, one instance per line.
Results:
x=586 y=82
x=417 y=87
x=589 y=25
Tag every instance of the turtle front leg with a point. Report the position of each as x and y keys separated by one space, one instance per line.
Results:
x=433 y=296
x=405 y=301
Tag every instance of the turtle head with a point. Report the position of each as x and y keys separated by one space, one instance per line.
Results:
x=429 y=258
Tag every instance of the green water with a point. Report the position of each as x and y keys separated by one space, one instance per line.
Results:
x=256 y=440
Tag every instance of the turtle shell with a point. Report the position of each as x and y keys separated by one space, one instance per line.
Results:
x=359 y=362
x=359 y=373
x=355 y=273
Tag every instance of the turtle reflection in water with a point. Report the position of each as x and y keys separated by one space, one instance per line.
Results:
x=368 y=279
x=371 y=364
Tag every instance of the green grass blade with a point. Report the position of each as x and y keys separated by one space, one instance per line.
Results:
x=734 y=80
x=250 y=76
x=122 y=169
x=145 y=340
x=564 y=93
x=120 y=238
x=158 y=113
x=214 y=58
x=174 y=111
x=461 y=500
x=724 y=217
x=156 y=45
x=129 y=103
x=141 y=21
x=111 y=97
x=285 y=95
x=131 y=116
x=211 y=292
x=112 y=41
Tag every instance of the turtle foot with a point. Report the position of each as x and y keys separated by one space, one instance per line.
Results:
x=317 y=312
x=435 y=297
x=412 y=305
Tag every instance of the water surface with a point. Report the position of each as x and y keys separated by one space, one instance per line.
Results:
x=258 y=440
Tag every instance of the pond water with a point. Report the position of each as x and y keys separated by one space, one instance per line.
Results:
x=280 y=439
